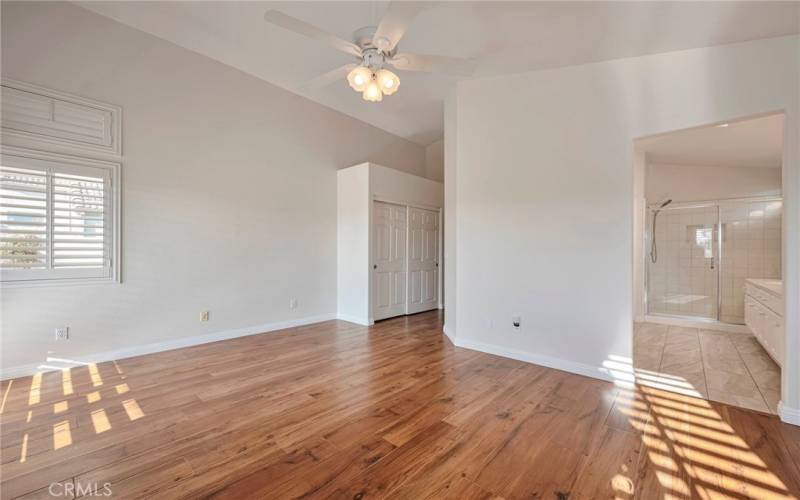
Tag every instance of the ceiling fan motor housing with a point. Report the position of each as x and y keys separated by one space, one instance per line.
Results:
x=363 y=36
x=373 y=53
x=373 y=58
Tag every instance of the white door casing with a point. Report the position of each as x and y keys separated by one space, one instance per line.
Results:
x=389 y=260
x=423 y=260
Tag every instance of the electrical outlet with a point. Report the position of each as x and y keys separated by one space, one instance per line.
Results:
x=293 y=303
x=516 y=321
x=62 y=333
x=204 y=316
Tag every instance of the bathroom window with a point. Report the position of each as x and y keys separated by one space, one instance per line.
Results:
x=704 y=238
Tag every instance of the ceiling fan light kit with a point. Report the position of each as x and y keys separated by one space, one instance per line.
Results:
x=373 y=84
x=374 y=48
x=359 y=78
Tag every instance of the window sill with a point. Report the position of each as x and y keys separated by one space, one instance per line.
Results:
x=4 y=285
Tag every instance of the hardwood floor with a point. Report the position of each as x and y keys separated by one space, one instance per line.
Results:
x=336 y=410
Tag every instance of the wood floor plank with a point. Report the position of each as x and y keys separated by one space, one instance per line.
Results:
x=337 y=410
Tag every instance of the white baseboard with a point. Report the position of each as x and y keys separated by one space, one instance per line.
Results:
x=537 y=359
x=696 y=323
x=449 y=334
x=355 y=319
x=789 y=415
x=168 y=345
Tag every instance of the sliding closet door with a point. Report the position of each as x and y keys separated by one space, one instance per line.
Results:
x=388 y=260
x=423 y=260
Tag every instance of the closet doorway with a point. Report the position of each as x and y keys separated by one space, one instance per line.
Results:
x=405 y=263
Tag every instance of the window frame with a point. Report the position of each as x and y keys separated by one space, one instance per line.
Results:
x=70 y=164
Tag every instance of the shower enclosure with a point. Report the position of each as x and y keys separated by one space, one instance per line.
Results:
x=705 y=251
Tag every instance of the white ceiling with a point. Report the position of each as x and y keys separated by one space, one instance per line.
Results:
x=749 y=143
x=505 y=37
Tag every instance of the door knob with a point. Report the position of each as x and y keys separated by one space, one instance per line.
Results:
x=374 y=266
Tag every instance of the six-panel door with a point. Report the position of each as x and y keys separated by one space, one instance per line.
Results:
x=389 y=260
x=423 y=260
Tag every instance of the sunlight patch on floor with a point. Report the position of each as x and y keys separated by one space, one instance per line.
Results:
x=694 y=451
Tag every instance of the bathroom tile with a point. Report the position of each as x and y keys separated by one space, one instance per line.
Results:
x=718 y=344
x=726 y=367
x=768 y=380
x=725 y=363
x=758 y=361
x=746 y=344
x=647 y=361
x=693 y=386
x=732 y=383
x=649 y=336
x=772 y=397
x=697 y=384
x=752 y=403
x=682 y=361
x=681 y=332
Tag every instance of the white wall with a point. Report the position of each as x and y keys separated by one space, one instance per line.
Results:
x=545 y=192
x=358 y=186
x=393 y=185
x=639 y=224
x=229 y=190
x=450 y=213
x=353 y=256
x=698 y=183
x=434 y=161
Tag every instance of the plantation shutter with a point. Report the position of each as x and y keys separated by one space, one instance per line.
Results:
x=23 y=219
x=55 y=220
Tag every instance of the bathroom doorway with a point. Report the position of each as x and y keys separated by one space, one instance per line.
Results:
x=709 y=264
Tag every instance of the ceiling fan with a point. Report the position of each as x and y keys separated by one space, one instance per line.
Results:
x=374 y=48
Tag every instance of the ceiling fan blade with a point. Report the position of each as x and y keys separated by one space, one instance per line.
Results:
x=293 y=24
x=338 y=74
x=433 y=64
x=394 y=24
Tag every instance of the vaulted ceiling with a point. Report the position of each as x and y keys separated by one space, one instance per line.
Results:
x=504 y=37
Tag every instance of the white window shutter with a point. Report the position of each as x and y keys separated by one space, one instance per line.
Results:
x=57 y=218
x=79 y=221
x=24 y=242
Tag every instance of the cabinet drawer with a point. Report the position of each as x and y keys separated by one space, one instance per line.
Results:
x=767 y=299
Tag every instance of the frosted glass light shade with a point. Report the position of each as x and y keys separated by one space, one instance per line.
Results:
x=388 y=81
x=359 y=78
x=372 y=92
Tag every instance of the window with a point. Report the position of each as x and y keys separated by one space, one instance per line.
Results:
x=58 y=218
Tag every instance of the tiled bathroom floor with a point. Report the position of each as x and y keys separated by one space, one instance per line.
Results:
x=730 y=368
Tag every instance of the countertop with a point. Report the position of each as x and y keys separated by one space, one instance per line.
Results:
x=775 y=287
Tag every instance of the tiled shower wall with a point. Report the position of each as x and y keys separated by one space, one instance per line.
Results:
x=751 y=248
x=682 y=281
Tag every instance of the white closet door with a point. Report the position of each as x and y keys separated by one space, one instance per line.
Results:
x=389 y=260
x=423 y=260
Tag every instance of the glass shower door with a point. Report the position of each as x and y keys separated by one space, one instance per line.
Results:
x=682 y=262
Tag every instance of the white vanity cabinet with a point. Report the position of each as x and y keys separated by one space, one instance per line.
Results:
x=763 y=313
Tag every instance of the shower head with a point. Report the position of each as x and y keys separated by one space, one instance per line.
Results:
x=666 y=203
